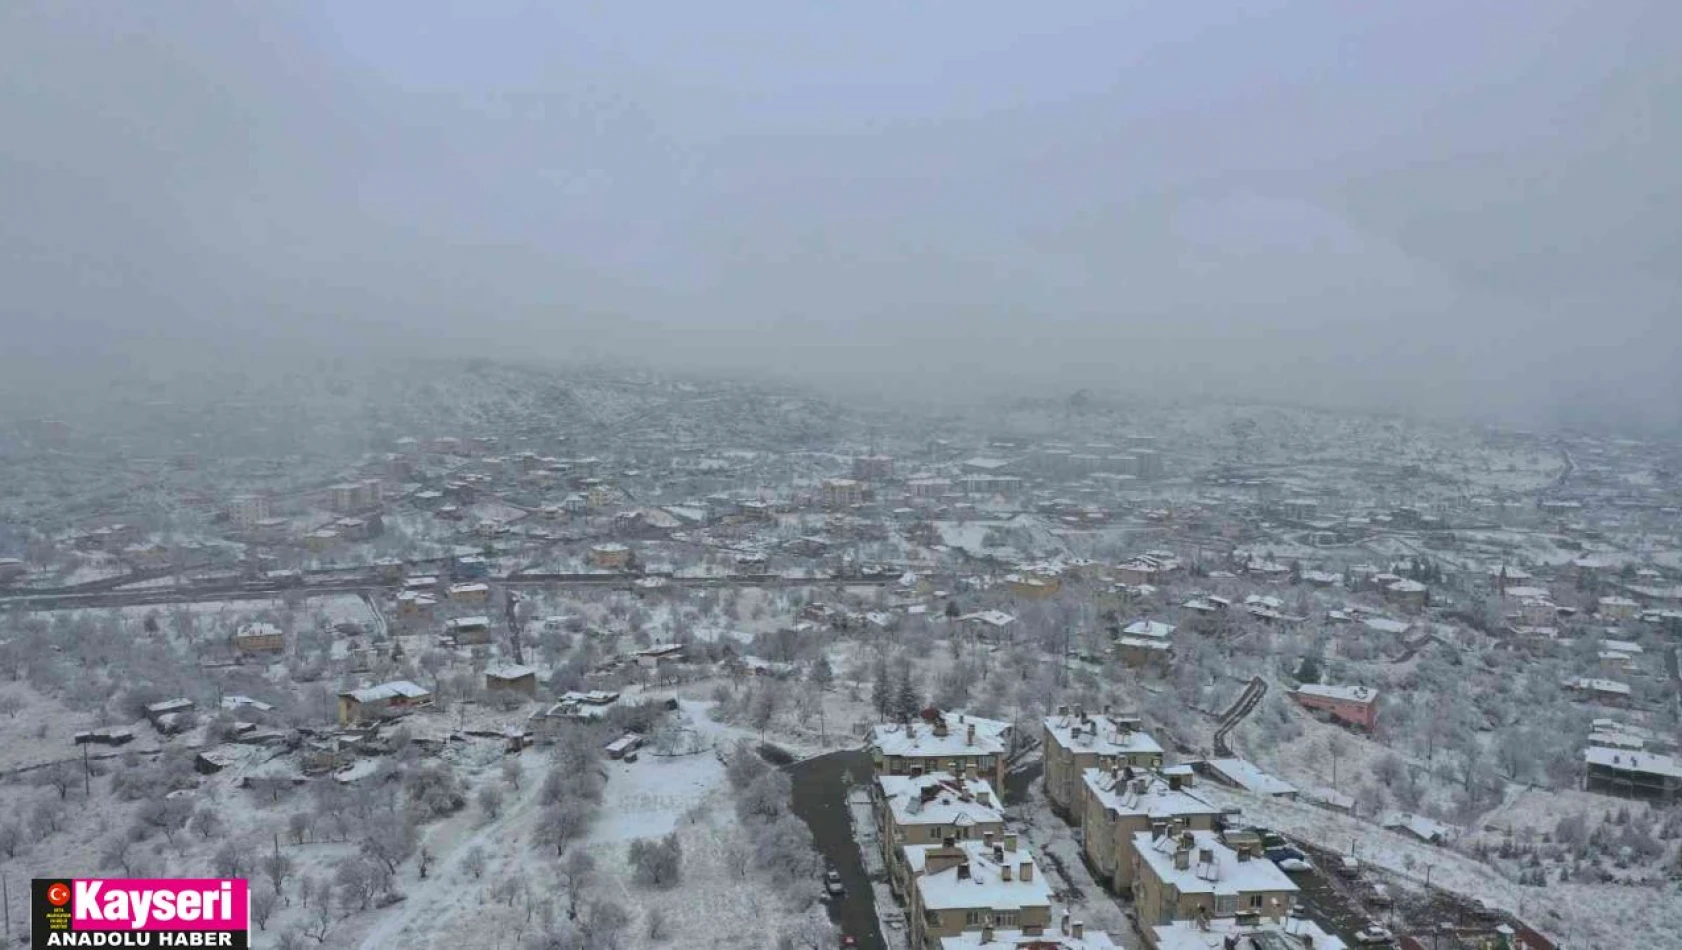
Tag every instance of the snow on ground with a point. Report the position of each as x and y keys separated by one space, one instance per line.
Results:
x=1600 y=917
x=1054 y=841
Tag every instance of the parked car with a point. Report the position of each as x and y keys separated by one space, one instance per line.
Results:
x=1289 y=859
x=1379 y=895
x=1350 y=866
x=848 y=940
x=1373 y=934
x=832 y=883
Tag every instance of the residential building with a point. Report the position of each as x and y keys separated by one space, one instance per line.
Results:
x=1242 y=932
x=1633 y=774
x=1076 y=741
x=659 y=655
x=1408 y=593
x=472 y=592
x=960 y=886
x=610 y=556
x=413 y=605
x=246 y=510
x=1608 y=692
x=927 y=809
x=1354 y=705
x=1120 y=802
x=942 y=742
x=1070 y=935
x=1193 y=874
x=374 y=702
x=511 y=678
x=841 y=492
x=873 y=468
x=467 y=631
x=258 y=638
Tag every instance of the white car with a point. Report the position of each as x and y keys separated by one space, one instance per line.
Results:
x=1372 y=934
x=1295 y=864
x=832 y=883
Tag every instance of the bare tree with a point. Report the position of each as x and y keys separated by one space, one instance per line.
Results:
x=490 y=802
x=277 y=868
x=579 y=872
x=389 y=839
x=474 y=862
x=512 y=772
x=262 y=903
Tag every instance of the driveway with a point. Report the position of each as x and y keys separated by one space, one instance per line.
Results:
x=820 y=799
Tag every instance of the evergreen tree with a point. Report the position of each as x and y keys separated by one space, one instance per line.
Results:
x=1309 y=671
x=881 y=693
x=907 y=703
x=822 y=675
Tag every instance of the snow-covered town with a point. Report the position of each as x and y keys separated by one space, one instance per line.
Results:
x=643 y=662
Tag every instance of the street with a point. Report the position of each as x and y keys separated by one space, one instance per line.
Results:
x=820 y=799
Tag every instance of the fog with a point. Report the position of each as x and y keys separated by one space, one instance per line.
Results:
x=1428 y=206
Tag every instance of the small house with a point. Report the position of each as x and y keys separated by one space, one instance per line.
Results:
x=511 y=678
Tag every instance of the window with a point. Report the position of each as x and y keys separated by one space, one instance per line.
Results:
x=972 y=918
x=1226 y=905
x=1255 y=901
x=1005 y=918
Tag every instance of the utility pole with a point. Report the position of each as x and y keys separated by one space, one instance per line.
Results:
x=87 y=773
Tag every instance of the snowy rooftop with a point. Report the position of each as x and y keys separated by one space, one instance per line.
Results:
x=510 y=671
x=385 y=691
x=993 y=618
x=989 y=882
x=258 y=629
x=940 y=799
x=467 y=623
x=1423 y=827
x=1383 y=625
x=1649 y=762
x=1102 y=735
x=964 y=736
x=1017 y=940
x=1350 y=694
x=1188 y=935
x=1149 y=628
x=1148 y=795
x=1592 y=685
x=1247 y=776
x=1221 y=873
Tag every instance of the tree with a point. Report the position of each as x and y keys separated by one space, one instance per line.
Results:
x=474 y=862
x=1308 y=671
x=562 y=823
x=822 y=674
x=603 y=923
x=490 y=802
x=654 y=923
x=512 y=772
x=262 y=904
x=907 y=702
x=12 y=840
x=656 y=863
x=881 y=692
x=229 y=861
x=767 y=798
x=579 y=873
x=435 y=792
x=389 y=838
x=207 y=822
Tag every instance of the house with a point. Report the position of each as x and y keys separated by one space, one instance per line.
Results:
x=1194 y=875
x=1143 y=651
x=415 y=605
x=246 y=510
x=258 y=638
x=1033 y=586
x=926 y=810
x=466 y=631
x=470 y=593
x=1119 y=802
x=987 y=624
x=1243 y=774
x=511 y=678
x=658 y=656
x=1242 y=932
x=1617 y=608
x=940 y=741
x=1632 y=774
x=376 y=702
x=1425 y=829
x=1354 y=705
x=1075 y=742
x=1407 y=593
x=1592 y=689
x=624 y=747
x=959 y=886
x=610 y=556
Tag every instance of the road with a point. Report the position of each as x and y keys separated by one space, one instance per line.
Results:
x=820 y=799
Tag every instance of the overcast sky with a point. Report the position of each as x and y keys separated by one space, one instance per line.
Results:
x=1423 y=205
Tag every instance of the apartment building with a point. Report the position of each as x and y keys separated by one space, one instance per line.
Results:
x=842 y=492
x=1075 y=742
x=961 y=886
x=926 y=810
x=1121 y=802
x=1070 y=935
x=1193 y=874
x=259 y=638
x=941 y=741
x=1354 y=705
x=246 y=510
x=1292 y=933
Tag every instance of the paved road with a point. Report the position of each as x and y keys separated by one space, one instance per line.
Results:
x=820 y=799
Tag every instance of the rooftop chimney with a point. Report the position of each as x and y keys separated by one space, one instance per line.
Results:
x=1010 y=841
x=1205 y=855
x=1063 y=710
x=986 y=933
x=1004 y=873
x=963 y=871
x=1026 y=871
x=1077 y=930
x=987 y=839
x=1243 y=852
x=985 y=798
x=999 y=853
x=1182 y=859
x=971 y=737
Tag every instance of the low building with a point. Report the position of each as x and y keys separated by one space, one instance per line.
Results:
x=258 y=638
x=1617 y=608
x=1632 y=774
x=1608 y=692
x=1354 y=705
x=511 y=678
x=467 y=631
x=1120 y=802
x=415 y=605
x=928 y=809
x=376 y=702
x=1071 y=935
x=470 y=593
x=1194 y=875
x=841 y=492
x=964 y=886
x=246 y=510
x=1408 y=593
x=659 y=655
x=171 y=715
x=610 y=556
x=1075 y=742
x=1244 y=774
